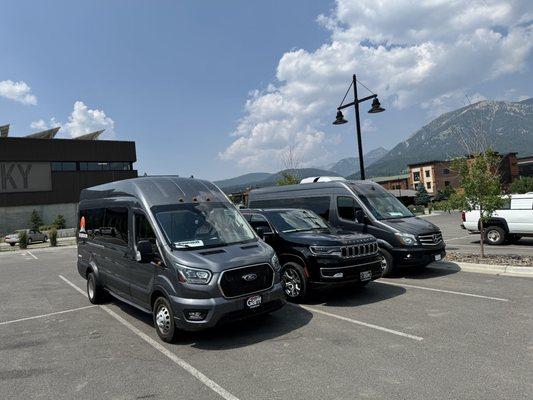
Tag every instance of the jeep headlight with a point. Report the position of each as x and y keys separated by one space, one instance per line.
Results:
x=406 y=239
x=193 y=275
x=275 y=263
x=325 y=251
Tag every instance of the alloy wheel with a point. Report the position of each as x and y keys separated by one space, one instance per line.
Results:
x=493 y=236
x=292 y=283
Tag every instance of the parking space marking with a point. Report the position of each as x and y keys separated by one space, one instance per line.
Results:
x=442 y=290
x=31 y=254
x=163 y=350
x=354 y=321
x=46 y=315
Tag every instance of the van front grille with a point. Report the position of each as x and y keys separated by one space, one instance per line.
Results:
x=246 y=280
x=359 y=250
x=430 y=239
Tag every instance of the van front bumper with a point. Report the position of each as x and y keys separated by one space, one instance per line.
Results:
x=220 y=309
x=417 y=256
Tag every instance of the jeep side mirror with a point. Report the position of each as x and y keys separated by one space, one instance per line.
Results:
x=360 y=216
x=145 y=251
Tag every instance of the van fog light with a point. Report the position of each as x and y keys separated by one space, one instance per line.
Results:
x=195 y=315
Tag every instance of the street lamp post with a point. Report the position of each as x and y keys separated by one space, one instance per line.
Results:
x=376 y=108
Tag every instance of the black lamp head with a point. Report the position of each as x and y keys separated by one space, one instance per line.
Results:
x=340 y=119
x=376 y=107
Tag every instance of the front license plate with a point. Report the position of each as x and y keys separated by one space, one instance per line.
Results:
x=254 y=301
x=366 y=275
x=438 y=257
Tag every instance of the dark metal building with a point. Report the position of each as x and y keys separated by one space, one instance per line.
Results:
x=47 y=174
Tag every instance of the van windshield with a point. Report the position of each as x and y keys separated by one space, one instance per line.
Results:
x=296 y=220
x=200 y=225
x=381 y=203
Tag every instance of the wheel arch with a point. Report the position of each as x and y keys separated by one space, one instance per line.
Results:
x=501 y=222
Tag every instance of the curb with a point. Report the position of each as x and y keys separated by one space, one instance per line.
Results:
x=505 y=270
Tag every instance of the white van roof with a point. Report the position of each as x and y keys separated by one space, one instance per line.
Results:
x=314 y=179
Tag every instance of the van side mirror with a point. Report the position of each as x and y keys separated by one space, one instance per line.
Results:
x=144 y=249
x=360 y=216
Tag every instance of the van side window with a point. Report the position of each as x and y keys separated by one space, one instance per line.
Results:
x=115 y=229
x=144 y=231
x=94 y=220
x=259 y=221
x=346 y=207
x=320 y=205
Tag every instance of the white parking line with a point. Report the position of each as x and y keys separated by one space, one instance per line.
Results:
x=45 y=315
x=162 y=349
x=354 y=321
x=31 y=254
x=442 y=290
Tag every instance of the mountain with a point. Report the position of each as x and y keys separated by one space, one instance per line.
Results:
x=350 y=165
x=264 y=179
x=243 y=180
x=505 y=126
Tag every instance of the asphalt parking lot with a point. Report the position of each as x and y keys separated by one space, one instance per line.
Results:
x=427 y=334
x=459 y=240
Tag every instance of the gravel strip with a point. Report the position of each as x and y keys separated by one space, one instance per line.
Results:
x=516 y=260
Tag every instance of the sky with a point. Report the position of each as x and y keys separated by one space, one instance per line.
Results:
x=217 y=89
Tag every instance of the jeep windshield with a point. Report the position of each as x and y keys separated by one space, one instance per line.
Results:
x=200 y=225
x=381 y=203
x=296 y=220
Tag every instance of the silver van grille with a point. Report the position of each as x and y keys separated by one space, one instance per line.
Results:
x=430 y=239
x=359 y=250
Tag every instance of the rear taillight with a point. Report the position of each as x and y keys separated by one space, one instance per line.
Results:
x=463 y=218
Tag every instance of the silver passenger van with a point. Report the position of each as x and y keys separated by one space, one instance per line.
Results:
x=176 y=248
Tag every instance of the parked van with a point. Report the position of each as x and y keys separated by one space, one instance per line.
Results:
x=362 y=206
x=312 y=253
x=510 y=223
x=176 y=248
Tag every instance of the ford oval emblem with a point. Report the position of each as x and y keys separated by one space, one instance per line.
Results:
x=249 y=277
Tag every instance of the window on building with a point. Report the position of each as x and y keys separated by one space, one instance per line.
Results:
x=446 y=183
x=427 y=173
x=319 y=205
x=416 y=176
x=58 y=166
x=105 y=166
x=446 y=171
x=428 y=185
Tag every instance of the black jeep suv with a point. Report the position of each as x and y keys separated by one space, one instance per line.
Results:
x=312 y=253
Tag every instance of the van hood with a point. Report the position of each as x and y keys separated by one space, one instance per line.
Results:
x=413 y=225
x=318 y=238
x=217 y=259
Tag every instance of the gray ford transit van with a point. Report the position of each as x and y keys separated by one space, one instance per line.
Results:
x=362 y=206
x=176 y=248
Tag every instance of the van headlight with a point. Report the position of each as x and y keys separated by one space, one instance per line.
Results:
x=275 y=263
x=193 y=275
x=406 y=239
x=325 y=251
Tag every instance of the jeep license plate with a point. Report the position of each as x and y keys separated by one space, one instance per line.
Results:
x=366 y=275
x=254 y=301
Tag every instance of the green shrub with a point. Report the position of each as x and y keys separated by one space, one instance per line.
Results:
x=53 y=237
x=522 y=185
x=45 y=228
x=23 y=239
x=60 y=222
x=35 y=220
x=416 y=209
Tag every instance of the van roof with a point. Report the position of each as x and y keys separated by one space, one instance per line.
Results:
x=311 y=185
x=157 y=190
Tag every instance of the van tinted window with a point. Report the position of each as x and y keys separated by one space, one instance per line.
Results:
x=94 y=219
x=144 y=231
x=115 y=229
x=346 y=207
x=320 y=205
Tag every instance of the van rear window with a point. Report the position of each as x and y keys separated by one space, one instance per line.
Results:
x=319 y=204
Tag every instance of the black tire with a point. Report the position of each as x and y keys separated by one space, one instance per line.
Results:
x=387 y=263
x=95 y=293
x=45 y=239
x=164 y=323
x=294 y=282
x=494 y=235
x=12 y=244
x=29 y=241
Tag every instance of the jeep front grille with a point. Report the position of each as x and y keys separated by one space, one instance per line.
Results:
x=359 y=250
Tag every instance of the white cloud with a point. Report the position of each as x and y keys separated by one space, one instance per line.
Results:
x=427 y=53
x=83 y=120
x=17 y=91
